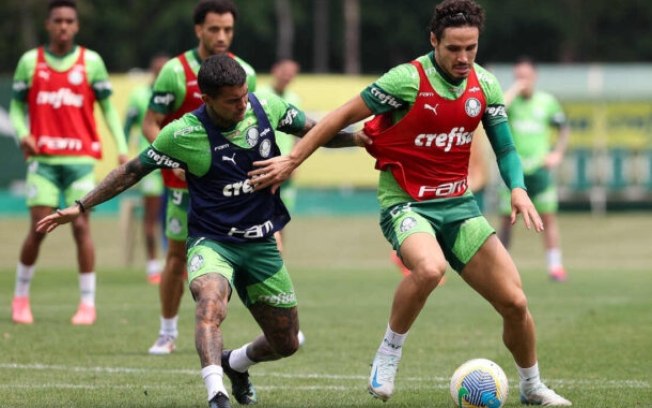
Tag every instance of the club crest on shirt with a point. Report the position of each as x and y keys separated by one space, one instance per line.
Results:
x=252 y=136
x=265 y=148
x=75 y=76
x=472 y=107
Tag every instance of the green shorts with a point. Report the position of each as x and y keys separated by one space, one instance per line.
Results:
x=456 y=223
x=152 y=184
x=541 y=189
x=255 y=269
x=46 y=184
x=176 y=214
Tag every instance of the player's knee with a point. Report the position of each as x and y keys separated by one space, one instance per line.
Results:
x=515 y=307
x=286 y=346
x=429 y=274
x=210 y=310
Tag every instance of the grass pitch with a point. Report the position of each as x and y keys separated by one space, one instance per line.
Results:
x=594 y=332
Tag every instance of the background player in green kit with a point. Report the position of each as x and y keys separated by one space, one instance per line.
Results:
x=151 y=186
x=231 y=243
x=283 y=73
x=426 y=112
x=176 y=93
x=56 y=86
x=534 y=117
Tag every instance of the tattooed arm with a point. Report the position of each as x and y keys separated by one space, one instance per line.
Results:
x=341 y=138
x=113 y=184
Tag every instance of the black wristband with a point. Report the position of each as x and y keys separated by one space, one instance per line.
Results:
x=81 y=206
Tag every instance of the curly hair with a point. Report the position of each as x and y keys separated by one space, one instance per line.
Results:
x=456 y=13
x=213 y=6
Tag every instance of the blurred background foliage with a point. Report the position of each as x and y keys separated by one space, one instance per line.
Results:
x=343 y=36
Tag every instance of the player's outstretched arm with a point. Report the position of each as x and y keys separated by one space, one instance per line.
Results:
x=117 y=181
x=342 y=138
x=272 y=172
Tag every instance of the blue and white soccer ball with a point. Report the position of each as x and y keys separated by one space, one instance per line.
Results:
x=479 y=383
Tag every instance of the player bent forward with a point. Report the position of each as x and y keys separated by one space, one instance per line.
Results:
x=426 y=112
x=231 y=226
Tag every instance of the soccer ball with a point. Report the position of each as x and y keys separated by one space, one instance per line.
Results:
x=479 y=383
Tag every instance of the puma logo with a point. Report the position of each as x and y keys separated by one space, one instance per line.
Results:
x=427 y=106
x=231 y=159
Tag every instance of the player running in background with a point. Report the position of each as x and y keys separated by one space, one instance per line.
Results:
x=151 y=187
x=175 y=93
x=426 y=113
x=56 y=86
x=231 y=244
x=534 y=117
x=283 y=73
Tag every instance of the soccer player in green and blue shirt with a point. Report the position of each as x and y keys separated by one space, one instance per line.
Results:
x=176 y=93
x=426 y=113
x=231 y=227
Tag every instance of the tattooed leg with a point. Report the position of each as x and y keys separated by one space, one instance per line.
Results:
x=280 y=328
x=211 y=294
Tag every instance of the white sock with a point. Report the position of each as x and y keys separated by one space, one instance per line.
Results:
x=153 y=267
x=212 y=376
x=553 y=256
x=24 y=275
x=87 y=288
x=169 y=326
x=392 y=342
x=239 y=361
x=529 y=376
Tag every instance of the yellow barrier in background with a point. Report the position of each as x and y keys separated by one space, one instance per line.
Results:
x=599 y=124
x=319 y=93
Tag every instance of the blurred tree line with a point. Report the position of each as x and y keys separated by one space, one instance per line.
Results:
x=352 y=36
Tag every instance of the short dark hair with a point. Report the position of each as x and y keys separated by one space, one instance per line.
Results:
x=219 y=71
x=213 y=6
x=456 y=13
x=52 y=4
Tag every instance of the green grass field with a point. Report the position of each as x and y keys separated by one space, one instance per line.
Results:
x=595 y=331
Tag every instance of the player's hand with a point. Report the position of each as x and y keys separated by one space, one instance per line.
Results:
x=28 y=145
x=521 y=204
x=553 y=159
x=361 y=139
x=271 y=172
x=122 y=159
x=180 y=173
x=52 y=221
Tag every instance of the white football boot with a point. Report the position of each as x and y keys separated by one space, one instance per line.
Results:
x=542 y=395
x=383 y=372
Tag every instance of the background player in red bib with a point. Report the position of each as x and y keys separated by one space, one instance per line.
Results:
x=426 y=113
x=57 y=85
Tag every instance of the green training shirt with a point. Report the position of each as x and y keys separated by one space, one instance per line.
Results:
x=532 y=121
x=136 y=109
x=283 y=140
x=184 y=141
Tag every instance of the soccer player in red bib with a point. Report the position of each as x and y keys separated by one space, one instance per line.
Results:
x=56 y=86
x=425 y=114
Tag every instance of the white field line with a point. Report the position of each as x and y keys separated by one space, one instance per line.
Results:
x=436 y=381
